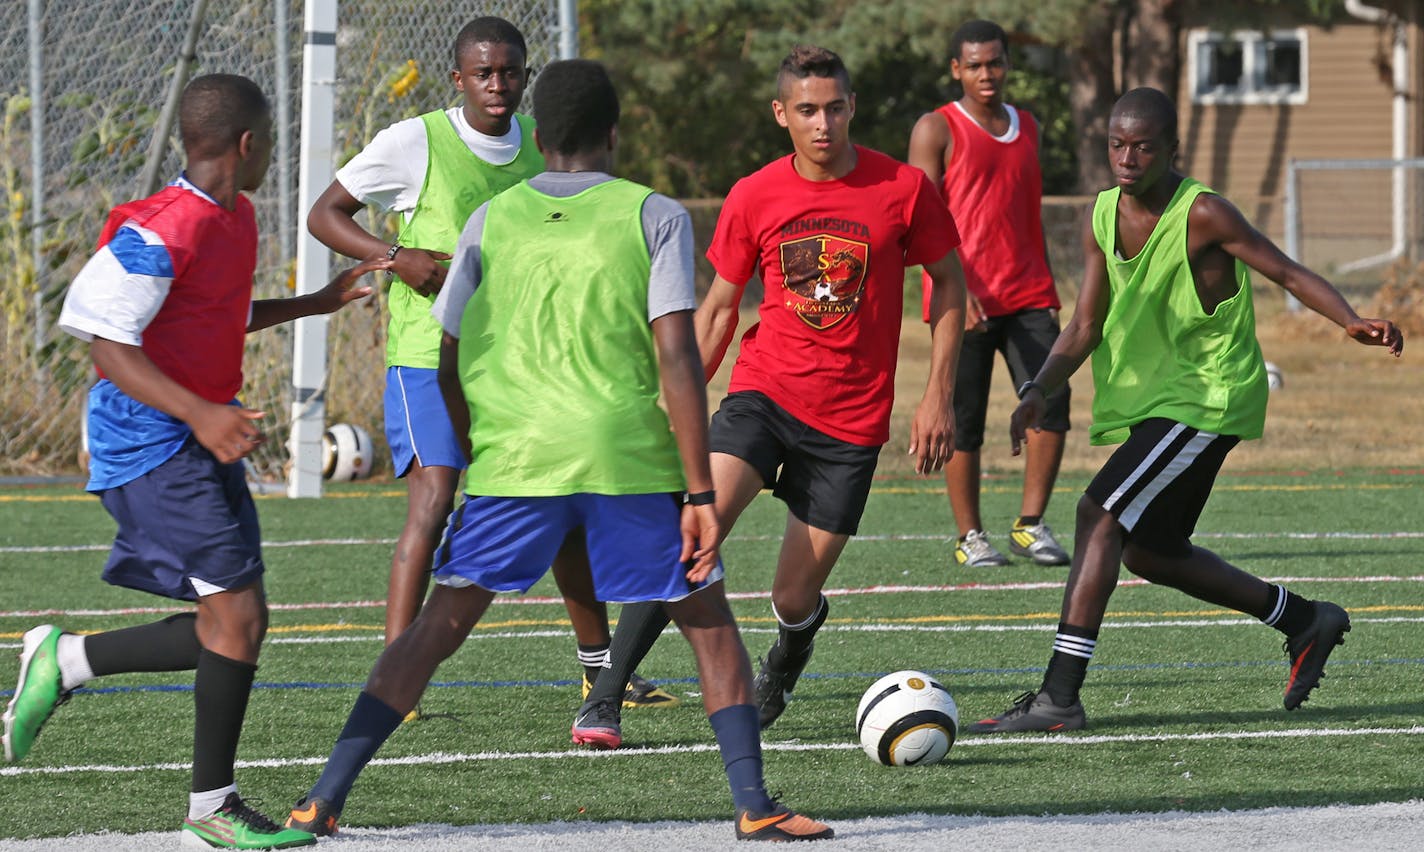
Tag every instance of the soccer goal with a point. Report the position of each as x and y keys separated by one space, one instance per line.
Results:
x=84 y=97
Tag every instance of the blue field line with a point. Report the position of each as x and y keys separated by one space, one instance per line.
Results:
x=692 y=681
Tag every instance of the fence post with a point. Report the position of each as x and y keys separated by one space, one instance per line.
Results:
x=568 y=29
x=37 y=168
x=149 y=181
x=313 y=259
x=1292 y=224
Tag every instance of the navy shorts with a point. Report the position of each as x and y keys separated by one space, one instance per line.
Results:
x=823 y=480
x=505 y=544
x=1025 y=338
x=418 y=429
x=1157 y=483
x=187 y=528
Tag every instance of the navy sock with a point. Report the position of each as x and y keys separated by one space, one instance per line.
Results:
x=370 y=724
x=738 y=730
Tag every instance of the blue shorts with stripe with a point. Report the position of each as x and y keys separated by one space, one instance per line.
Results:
x=506 y=544
x=187 y=528
x=1157 y=483
x=418 y=429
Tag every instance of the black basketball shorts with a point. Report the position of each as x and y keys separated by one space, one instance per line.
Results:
x=1157 y=483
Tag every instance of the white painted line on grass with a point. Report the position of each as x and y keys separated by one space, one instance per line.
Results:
x=439 y=758
x=871 y=538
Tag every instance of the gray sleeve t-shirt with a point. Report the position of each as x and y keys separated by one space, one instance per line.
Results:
x=666 y=226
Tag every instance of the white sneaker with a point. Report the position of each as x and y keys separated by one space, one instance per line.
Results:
x=1036 y=542
x=976 y=551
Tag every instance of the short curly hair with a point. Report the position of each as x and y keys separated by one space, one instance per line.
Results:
x=492 y=30
x=216 y=109
x=575 y=105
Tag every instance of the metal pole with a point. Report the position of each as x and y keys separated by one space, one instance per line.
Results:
x=37 y=172
x=149 y=181
x=1292 y=224
x=313 y=259
x=568 y=29
x=283 y=86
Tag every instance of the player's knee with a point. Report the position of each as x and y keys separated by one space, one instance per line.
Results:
x=1094 y=521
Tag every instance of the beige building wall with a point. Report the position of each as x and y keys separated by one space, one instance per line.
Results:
x=1242 y=150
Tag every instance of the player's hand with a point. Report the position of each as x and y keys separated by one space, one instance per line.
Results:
x=227 y=431
x=701 y=530
x=931 y=436
x=974 y=318
x=1377 y=332
x=421 y=269
x=343 y=290
x=1026 y=416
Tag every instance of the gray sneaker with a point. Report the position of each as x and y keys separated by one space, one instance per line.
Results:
x=1036 y=542
x=1033 y=712
x=975 y=551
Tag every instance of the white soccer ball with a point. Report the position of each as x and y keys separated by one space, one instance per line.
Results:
x=907 y=719
x=1275 y=379
x=346 y=453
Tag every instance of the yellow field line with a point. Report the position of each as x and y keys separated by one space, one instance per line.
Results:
x=922 y=619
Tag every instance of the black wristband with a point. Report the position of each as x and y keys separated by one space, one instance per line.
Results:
x=701 y=498
x=393 y=251
x=1028 y=386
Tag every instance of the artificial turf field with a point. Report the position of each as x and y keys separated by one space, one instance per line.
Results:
x=1183 y=700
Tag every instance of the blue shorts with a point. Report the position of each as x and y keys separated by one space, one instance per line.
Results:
x=506 y=544
x=187 y=528
x=418 y=426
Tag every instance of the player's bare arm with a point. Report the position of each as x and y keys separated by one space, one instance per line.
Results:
x=684 y=392
x=1079 y=337
x=447 y=375
x=931 y=146
x=338 y=293
x=1215 y=222
x=716 y=323
x=226 y=431
x=932 y=428
x=332 y=221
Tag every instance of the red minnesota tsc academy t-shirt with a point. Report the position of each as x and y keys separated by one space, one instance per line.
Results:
x=832 y=256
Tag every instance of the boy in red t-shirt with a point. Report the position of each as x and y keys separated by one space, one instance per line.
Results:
x=831 y=229
x=983 y=155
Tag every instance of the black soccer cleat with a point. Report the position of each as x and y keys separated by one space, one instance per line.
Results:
x=1309 y=649
x=1033 y=712
x=314 y=815
x=775 y=681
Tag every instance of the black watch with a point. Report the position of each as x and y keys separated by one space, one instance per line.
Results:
x=1028 y=386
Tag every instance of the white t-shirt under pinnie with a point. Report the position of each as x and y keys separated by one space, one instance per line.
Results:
x=390 y=171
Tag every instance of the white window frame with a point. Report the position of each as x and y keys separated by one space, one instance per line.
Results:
x=1253 y=54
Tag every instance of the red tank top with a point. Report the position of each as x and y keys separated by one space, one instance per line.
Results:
x=994 y=188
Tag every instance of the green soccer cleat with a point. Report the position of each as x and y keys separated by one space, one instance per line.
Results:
x=39 y=690
x=237 y=826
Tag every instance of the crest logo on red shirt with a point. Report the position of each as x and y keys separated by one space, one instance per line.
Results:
x=824 y=278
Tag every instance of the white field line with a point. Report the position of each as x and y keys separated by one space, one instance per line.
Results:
x=438 y=758
x=889 y=537
x=525 y=600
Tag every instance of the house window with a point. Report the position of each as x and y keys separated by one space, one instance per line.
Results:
x=1247 y=67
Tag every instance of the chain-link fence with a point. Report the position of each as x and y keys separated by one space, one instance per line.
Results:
x=74 y=145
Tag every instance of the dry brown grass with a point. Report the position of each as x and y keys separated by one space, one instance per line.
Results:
x=1343 y=405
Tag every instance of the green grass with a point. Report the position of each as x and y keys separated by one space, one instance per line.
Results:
x=509 y=692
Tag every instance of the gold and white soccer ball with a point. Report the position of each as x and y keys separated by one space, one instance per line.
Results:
x=346 y=453
x=907 y=719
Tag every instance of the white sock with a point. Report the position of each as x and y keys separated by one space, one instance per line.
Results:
x=205 y=804
x=74 y=670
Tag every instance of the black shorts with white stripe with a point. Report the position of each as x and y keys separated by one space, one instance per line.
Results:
x=1158 y=481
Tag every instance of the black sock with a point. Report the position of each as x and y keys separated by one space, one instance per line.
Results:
x=639 y=626
x=1289 y=612
x=796 y=639
x=1029 y=520
x=220 y=692
x=592 y=658
x=170 y=645
x=1073 y=647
